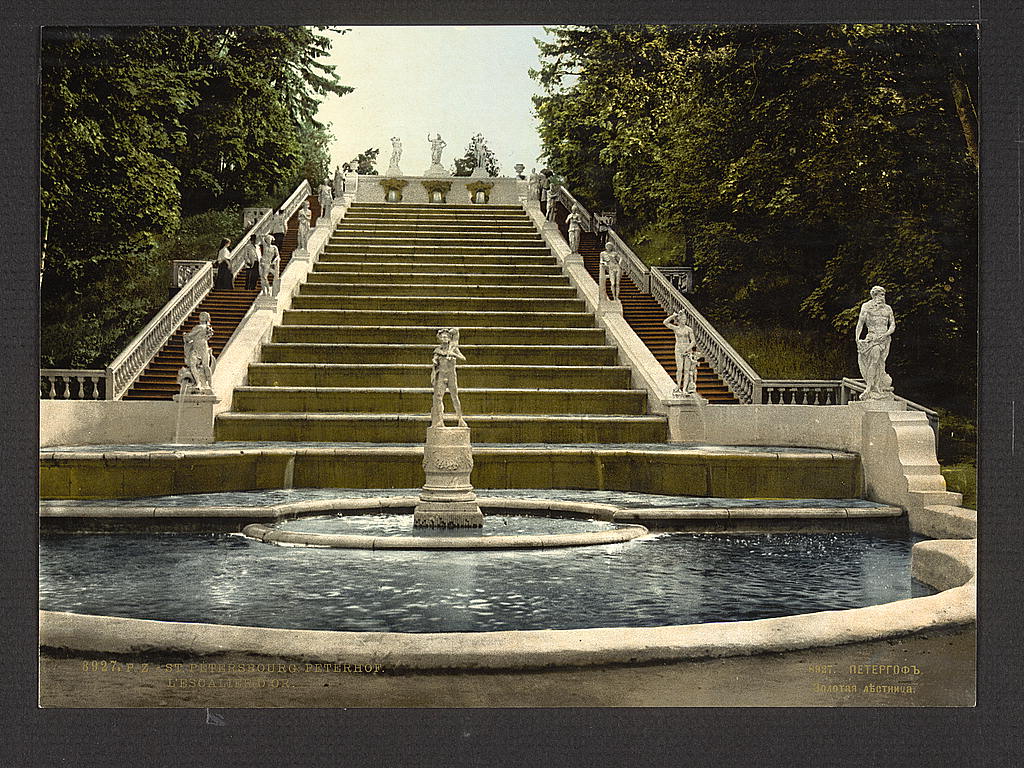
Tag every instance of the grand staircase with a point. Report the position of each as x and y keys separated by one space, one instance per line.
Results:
x=227 y=308
x=351 y=360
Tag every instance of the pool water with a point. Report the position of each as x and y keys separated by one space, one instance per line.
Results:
x=674 y=578
x=401 y=525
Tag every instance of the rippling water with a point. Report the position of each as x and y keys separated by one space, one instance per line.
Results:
x=673 y=578
x=401 y=525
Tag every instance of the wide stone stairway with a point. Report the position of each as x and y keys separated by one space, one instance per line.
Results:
x=351 y=360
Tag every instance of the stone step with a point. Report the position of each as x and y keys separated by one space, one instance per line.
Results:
x=403 y=270
x=396 y=208
x=417 y=400
x=408 y=428
x=412 y=236
x=427 y=334
x=397 y=375
x=466 y=229
x=499 y=251
x=438 y=289
x=439 y=318
x=439 y=303
x=478 y=354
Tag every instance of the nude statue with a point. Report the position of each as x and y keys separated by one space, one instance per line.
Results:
x=686 y=354
x=326 y=198
x=199 y=358
x=339 y=182
x=575 y=222
x=873 y=349
x=436 y=145
x=270 y=264
x=536 y=181
x=396 y=151
x=611 y=259
x=479 y=150
x=443 y=376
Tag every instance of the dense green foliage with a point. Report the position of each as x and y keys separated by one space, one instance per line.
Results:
x=143 y=125
x=365 y=162
x=794 y=167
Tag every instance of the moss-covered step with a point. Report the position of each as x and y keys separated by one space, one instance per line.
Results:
x=411 y=374
x=503 y=251
x=439 y=302
x=426 y=334
x=354 y=233
x=417 y=399
x=553 y=291
x=407 y=428
x=439 y=318
x=681 y=471
x=400 y=269
x=480 y=354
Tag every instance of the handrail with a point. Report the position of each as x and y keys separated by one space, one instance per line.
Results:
x=570 y=202
x=140 y=351
x=859 y=385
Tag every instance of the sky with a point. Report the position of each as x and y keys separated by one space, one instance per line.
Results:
x=411 y=81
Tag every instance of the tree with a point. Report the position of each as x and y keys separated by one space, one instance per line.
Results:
x=364 y=162
x=801 y=165
x=465 y=165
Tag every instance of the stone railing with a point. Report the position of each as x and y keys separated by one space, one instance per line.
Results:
x=801 y=392
x=851 y=387
x=127 y=366
x=182 y=270
x=74 y=384
x=566 y=199
x=726 y=361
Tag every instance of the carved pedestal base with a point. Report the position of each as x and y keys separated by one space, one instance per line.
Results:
x=447 y=499
x=394 y=170
x=194 y=420
x=437 y=170
x=479 y=172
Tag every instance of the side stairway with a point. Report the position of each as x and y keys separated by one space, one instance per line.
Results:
x=159 y=381
x=351 y=360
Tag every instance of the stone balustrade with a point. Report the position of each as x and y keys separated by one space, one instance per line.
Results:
x=73 y=384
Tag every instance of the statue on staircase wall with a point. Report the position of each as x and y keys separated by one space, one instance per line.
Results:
x=873 y=349
x=326 y=199
x=199 y=358
x=575 y=223
x=443 y=376
x=612 y=261
x=305 y=219
x=687 y=357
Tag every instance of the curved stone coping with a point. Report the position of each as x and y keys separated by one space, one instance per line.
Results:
x=352 y=541
x=952 y=609
x=215 y=450
x=745 y=509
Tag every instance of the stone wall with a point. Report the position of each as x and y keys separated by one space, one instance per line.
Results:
x=506 y=191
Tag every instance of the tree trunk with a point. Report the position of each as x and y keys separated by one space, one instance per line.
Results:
x=968 y=117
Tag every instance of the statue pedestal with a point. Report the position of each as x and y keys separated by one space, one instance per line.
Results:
x=437 y=170
x=479 y=173
x=393 y=170
x=878 y=404
x=447 y=499
x=265 y=301
x=300 y=254
x=194 y=422
x=686 y=418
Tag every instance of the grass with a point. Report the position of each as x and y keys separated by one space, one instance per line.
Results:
x=963 y=478
x=781 y=353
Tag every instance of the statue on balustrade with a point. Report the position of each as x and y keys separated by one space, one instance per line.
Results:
x=612 y=261
x=443 y=376
x=552 y=200
x=437 y=144
x=199 y=358
x=270 y=265
x=351 y=179
x=872 y=350
x=278 y=227
x=480 y=151
x=687 y=356
x=339 y=182
x=575 y=223
x=396 y=153
x=536 y=182
x=326 y=201
x=305 y=218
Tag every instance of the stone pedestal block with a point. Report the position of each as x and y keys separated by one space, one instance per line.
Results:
x=194 y=420
x=437 y=170
x=447 y=499
x=686 y=419
x=479 y=173
x=394 y=170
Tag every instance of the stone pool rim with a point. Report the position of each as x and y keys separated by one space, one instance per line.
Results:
x=947 y=564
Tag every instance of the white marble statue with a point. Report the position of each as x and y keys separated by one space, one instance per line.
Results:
x=270 y=264
x=199 y=358
x=575 y=223
x=305 y=219
x=480 y=151
x=326 y=198
x=351 y=180
x=339 y=182
x=443 y=376
x=872 y=350
x=437 y=144
x=396 y=151
x=536 y=181
x=612 y=261
x=686 y=354
x=552 y=201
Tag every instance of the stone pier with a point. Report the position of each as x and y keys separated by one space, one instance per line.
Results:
x=447 y=499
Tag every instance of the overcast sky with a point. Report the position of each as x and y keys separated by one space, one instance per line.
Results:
x=410 y=81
